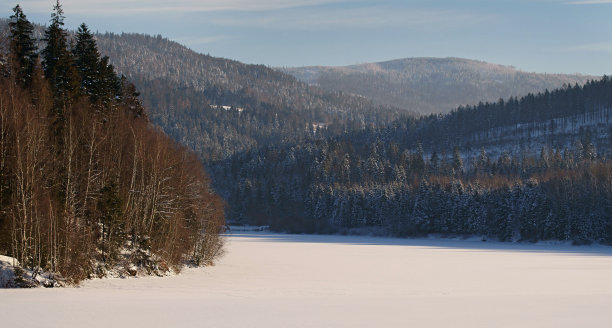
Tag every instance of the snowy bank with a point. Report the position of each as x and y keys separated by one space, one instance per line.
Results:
x=12 y=275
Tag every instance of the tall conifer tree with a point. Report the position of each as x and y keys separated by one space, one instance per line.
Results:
x=57 y=61
x=109 y=84
x=457 y=161
x=98 y=79
x=87 y=60
x=23 y=47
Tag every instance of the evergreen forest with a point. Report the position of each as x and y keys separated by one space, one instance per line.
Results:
x=528 y=169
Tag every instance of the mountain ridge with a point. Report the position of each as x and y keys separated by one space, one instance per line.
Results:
x=432 y=84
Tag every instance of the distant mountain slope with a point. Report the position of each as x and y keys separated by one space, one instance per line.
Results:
x=432 y=85
x=219 y=106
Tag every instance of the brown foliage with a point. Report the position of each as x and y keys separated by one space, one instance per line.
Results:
x=105 y=190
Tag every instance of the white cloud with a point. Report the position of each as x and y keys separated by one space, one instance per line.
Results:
x=289 y=14
x=592 y=47
x=590 y=2
x=380 y=16
x=144 y=6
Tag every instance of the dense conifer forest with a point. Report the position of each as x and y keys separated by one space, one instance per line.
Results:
x=88 y=185
x=529 y=169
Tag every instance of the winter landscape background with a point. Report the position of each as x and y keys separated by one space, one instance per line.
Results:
x=157 y=185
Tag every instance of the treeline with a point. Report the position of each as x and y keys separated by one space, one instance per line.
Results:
x=384 y=179
x=87 y=184
x=484 y=117
x=550 y=119
x=561 y=204
x=328 y=187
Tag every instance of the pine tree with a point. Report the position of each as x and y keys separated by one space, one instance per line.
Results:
x=57 y=62
x=434 y=162
x=98 y=78
x=482 y=158
x=588 y=149
x=23 y=47
x=544 y=159
x=418 y=164
x=129 y=97
x=109 y=84
x=87 y=60
x=578 y=151
x=457 y=161
x=345 y=169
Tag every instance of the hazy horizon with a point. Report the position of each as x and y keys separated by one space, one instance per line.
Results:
x=552 y=36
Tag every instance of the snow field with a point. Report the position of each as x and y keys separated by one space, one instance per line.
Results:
x=276 y=280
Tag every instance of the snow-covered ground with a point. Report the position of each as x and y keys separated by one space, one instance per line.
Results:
x=275 y=280
x=6 y=270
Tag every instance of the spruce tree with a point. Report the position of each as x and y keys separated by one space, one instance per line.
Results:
x=109 y=84
x=588 y=149
x=129 y=97
x=57 y=62
x=457 y=161
x=23 y=48
x=87 y=61
x=418 y=164
x=434 y=161
x=98 y=79
x=482 y=158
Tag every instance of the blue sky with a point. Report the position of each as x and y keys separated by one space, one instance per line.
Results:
x=556 y=36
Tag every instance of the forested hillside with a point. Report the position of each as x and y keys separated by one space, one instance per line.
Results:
x=528 y=169
x=219 y=106
x=88 y=185
x=302 y=159
x=432 y=85
x=290 y=155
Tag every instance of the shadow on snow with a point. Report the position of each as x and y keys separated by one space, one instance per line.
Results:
x=469 y=244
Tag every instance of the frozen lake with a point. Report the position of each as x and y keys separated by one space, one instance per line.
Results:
x=276 y=280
